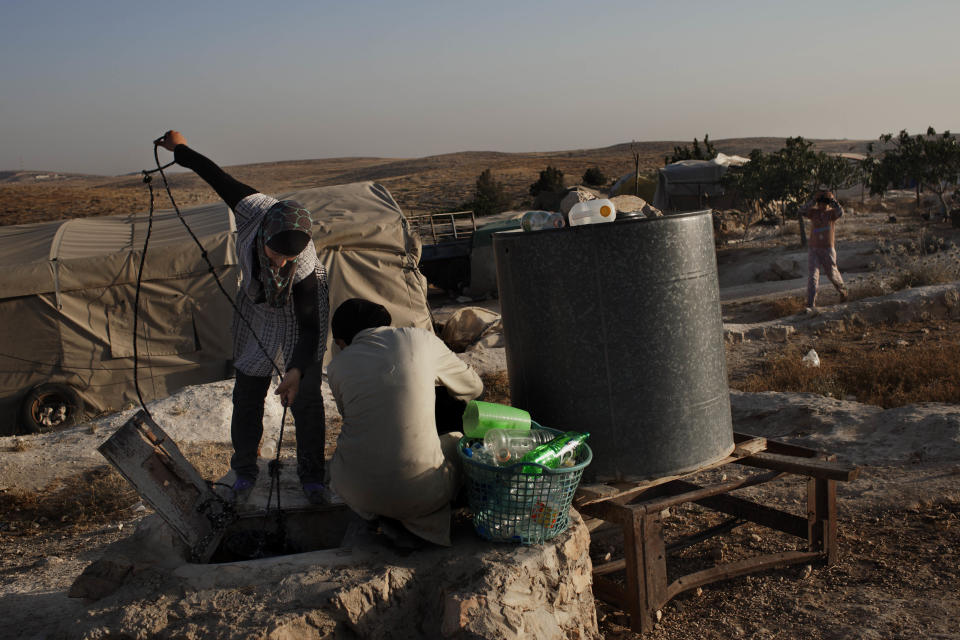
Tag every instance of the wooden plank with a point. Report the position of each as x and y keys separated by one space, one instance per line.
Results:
x=692 y=492
x=654 y=563
x=749 y=447
x=801 y=466
x=774 y=446
x=610 y=567
x=822 y=516
x=609 y=512
x=623 y=491
x=758 y=513
x=734 y=569
x=636 y=591
x=596 y=492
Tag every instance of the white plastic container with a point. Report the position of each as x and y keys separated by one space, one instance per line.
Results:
x=592 y=212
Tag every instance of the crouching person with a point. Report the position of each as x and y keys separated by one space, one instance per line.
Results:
x=390 y=463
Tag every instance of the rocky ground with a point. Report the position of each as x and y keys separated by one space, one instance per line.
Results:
x=898 y=573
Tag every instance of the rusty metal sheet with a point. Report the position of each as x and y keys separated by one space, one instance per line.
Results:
x=146 y=456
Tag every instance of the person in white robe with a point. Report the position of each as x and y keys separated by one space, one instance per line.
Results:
x=390 y=462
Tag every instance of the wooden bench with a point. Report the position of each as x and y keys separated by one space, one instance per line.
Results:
x=636 y=508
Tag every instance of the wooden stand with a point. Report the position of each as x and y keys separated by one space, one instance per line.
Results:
x=636 y=508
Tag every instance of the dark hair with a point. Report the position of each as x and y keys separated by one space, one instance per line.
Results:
x=355 y=315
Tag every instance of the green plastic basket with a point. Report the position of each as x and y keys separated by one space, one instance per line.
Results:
x=511 y=506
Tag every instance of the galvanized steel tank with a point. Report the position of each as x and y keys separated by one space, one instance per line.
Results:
x=615 y=329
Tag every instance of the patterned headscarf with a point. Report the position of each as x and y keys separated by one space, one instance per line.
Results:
x=286 y=230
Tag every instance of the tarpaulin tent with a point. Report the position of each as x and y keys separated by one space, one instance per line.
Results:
x=687 y=185
x=67 y=291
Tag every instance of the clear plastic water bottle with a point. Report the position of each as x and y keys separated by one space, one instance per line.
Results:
x=508 y=446
x=592 y=212
x=478 y=452
x=538 y=220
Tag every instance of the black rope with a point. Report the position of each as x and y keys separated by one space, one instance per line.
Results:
x=275 y=465
x=136 y=302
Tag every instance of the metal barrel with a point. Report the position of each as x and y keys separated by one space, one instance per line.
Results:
x=615 y=329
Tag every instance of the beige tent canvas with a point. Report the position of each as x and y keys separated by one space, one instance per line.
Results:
x=67 y=291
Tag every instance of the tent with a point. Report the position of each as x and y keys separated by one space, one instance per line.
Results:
x=67 y=292
x=688 y=185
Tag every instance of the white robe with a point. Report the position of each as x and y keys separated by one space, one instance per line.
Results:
x=389 y=459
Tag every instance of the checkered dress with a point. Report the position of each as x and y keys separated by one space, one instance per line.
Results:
x=276 y=327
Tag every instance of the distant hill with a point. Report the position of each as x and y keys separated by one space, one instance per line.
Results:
x=9 y=177
x=432 y=183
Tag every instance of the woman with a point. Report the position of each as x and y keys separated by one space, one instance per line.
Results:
x=281 y=321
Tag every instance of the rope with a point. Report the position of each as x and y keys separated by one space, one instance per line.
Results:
x=136 y=303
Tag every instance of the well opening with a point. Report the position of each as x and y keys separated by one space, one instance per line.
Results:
x=253 y=536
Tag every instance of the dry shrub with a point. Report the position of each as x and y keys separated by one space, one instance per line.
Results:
x=888 y=377
x=870 y=288
x=920 y=262
x=496 y=387
x=783 y=307
x=90 y=498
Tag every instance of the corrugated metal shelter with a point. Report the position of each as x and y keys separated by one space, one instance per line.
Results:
x=67 y=292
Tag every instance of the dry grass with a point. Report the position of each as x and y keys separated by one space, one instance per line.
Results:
x=888 y=375
x=211 y=460
x=88 y=499
x=96 y=497
x=496 y=387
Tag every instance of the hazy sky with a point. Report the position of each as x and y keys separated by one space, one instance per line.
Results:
x=86 y=85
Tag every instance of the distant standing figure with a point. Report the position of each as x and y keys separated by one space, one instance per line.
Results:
x=824 y=210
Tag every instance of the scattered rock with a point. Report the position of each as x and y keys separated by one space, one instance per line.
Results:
x=575 y=195
x=467 y=325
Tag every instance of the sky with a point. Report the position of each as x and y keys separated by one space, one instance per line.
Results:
x=86 y=86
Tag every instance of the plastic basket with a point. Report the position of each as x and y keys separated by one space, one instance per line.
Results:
x=511 y=506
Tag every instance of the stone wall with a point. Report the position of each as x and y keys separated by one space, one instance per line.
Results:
x=474 y=589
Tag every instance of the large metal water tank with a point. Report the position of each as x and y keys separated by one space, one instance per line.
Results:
x=615 y=329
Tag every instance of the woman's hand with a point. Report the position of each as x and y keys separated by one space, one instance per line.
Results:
x=288 y=387
x=170 y=140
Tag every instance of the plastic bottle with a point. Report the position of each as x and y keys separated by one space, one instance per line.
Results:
x=509 y=445
x=592 y=212
x=478 y=452
x=537 y=220
x=555 y=453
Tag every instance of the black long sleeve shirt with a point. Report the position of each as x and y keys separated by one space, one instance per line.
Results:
x=304 y=292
